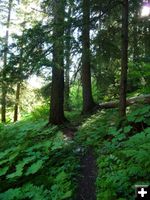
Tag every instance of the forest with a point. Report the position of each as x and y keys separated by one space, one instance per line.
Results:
x=74 y=99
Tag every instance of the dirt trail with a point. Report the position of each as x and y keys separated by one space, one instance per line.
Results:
x=88 y=172
x=86 y=189
x=70 y=132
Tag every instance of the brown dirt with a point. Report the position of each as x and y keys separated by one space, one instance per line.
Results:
x=69 y=132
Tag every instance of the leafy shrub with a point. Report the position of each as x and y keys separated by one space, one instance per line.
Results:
x=122 y=154
x=124 y=161
x=95 y=128
x=35 y=162
x=40 y=112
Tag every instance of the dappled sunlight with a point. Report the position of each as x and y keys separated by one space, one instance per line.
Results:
x=74 y=99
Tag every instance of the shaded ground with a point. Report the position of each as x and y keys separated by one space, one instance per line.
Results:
x=86 y=183
x=86 y=189
x=69 y=131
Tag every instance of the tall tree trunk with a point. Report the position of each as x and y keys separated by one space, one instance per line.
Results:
x=57 y=89
x=4 y=84
x=135 y=38
x=124 y=60
x=16 y=108
x=68 y=63
x=88 y=102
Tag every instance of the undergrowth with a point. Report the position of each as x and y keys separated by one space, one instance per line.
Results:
x=36 y=162
x=122 y=154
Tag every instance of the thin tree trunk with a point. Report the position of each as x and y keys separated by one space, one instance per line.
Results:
x=57 y=90
x=88 y=102
x=135 y=38
x=16 y=108
x=68 y=63
x=124 y=61
x=67 y=87
x=4 y=84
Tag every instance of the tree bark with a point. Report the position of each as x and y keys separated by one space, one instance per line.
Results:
x=124 y=60
x=4 y=83
x=57 y=89
x=88 y=102
x=67 y=87
x=16 y=108
x=135 y=38
x=68 y=63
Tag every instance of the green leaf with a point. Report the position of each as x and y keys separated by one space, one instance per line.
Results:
x=20 y=167
x=58 y=141
x=11 y=194
x=35 y=167
x=34 y=192
x=147 y=130
x=113 y=131
x=127 y=129
x=67 y=194
x=3 y=171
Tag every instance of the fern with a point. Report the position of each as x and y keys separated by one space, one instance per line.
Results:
x=20 y=167
x=11 y=194
x=35 y=167
x=62 y=185
x=28 y=148
x=27 y=191
x=3 y=171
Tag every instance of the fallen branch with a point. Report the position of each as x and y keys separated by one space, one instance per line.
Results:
x=142 y=99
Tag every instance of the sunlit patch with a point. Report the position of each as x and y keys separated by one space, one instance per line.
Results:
x=35 y=82
x=145 y=12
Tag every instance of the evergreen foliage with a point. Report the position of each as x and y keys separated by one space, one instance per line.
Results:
x=59 y=61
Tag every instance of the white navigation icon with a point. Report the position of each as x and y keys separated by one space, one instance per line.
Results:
x=142 y=192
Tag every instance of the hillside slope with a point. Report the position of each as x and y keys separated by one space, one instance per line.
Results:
x=39 y=162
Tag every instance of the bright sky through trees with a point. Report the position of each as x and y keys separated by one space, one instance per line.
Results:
x=145 y=10
x=74 y=90
x=35 y=81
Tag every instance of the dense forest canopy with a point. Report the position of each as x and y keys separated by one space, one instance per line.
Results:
x=74 y=89
x=91 y=40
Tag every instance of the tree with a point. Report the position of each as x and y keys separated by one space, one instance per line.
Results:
x=4 y=83
x=67 y=46
x=57 y=88
x=88 y=102
x=17 y=102
x=124 y=60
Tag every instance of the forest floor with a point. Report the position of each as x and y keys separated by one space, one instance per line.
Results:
x=98 y=134
x=86 y=159
x=88 y=173
x=86 y=189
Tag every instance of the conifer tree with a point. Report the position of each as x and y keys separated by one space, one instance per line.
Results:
x=88 y=102
x=4 y=70
x=124 y=60
x=57 y=88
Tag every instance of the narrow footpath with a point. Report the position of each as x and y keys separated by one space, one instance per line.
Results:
x=88 y=172
x=86 y=189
